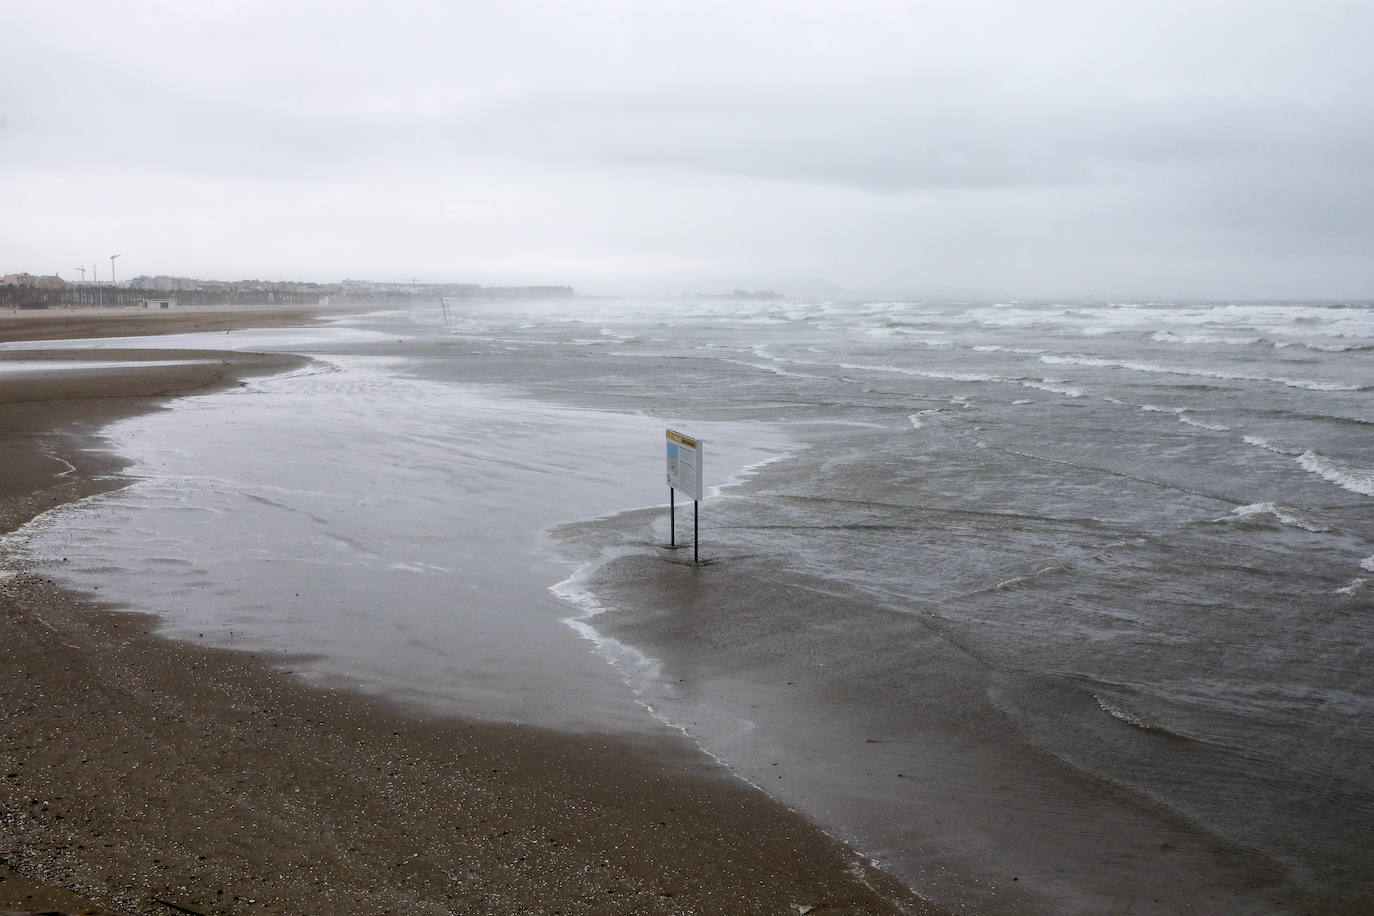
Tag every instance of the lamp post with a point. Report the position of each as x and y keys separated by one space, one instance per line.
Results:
x=112 y=273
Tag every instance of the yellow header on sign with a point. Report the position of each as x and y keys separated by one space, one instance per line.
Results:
x=680 y=439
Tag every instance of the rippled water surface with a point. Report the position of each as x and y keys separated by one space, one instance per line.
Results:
x=1047 y=606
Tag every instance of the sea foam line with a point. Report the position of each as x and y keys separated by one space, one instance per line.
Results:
x=749 y=470
x=1098 y=362
x=1119 y=712
x=918 y=419
x=638 y=670
x=1215 y=427
x=1284 y=515
x=1050 y=385
x=1174 y=337
x=1181 y=414
x=1353 y=587
x=575 y=592
x=1268 y=446
x=1053 y=386
x=1356 y=480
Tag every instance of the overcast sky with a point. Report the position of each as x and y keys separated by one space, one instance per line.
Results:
x=1122 y=149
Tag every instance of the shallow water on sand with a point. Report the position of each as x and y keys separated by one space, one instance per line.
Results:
x=1049 y=607
x=388 y=525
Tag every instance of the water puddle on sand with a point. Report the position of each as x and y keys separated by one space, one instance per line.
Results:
x=387 y=526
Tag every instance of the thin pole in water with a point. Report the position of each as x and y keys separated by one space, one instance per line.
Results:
x=672 y=517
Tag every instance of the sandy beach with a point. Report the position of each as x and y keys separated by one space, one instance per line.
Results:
x=144 y=776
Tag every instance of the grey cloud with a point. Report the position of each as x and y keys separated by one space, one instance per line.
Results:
x=977 y=135
x=901 y=144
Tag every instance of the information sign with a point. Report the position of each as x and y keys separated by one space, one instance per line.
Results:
x=684 y=465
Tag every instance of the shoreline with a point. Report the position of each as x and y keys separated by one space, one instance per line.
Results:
x=140 y=773
x=72 y=322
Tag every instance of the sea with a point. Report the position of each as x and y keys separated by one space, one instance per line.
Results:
x=1044 y=606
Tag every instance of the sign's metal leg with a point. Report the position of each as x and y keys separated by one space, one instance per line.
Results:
x=672 y=517
x=695 y=557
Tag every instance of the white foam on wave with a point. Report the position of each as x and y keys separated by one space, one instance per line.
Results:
x=1323 y=348
x=640 y=672
x=635 y=668
x=1356 y=480
x=1286 y=515
x=748 y=471
x=575 y=590
x=923 y=336
x=1099 y=362
x=1268 y=446
x=767 y=367
x=418 y=567
x=1054 y=386
x=997 y=348
x=1269 y=320
x=918 y=419
x=1120 y=712
x=1354 y=587
x=925 y=373
x=1322 y=328
x=1173 y=337
x=1367 y=564
x=1215 y=427
x=1316 y=386
x=1014 y=316
x=1182 y=415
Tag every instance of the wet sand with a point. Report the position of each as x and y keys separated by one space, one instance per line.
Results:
x=73 y=322
x=139 y=775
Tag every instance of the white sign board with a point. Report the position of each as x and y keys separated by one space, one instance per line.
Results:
x=684 y=465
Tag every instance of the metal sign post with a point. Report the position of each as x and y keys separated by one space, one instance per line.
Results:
x=684 y=473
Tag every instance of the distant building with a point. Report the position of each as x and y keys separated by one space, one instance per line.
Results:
x=165 y=283
x=53 y=282
x=159 y=303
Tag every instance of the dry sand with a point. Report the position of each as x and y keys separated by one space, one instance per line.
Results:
x=139 y=775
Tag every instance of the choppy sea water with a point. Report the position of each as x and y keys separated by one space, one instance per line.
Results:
x=1048 y=607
